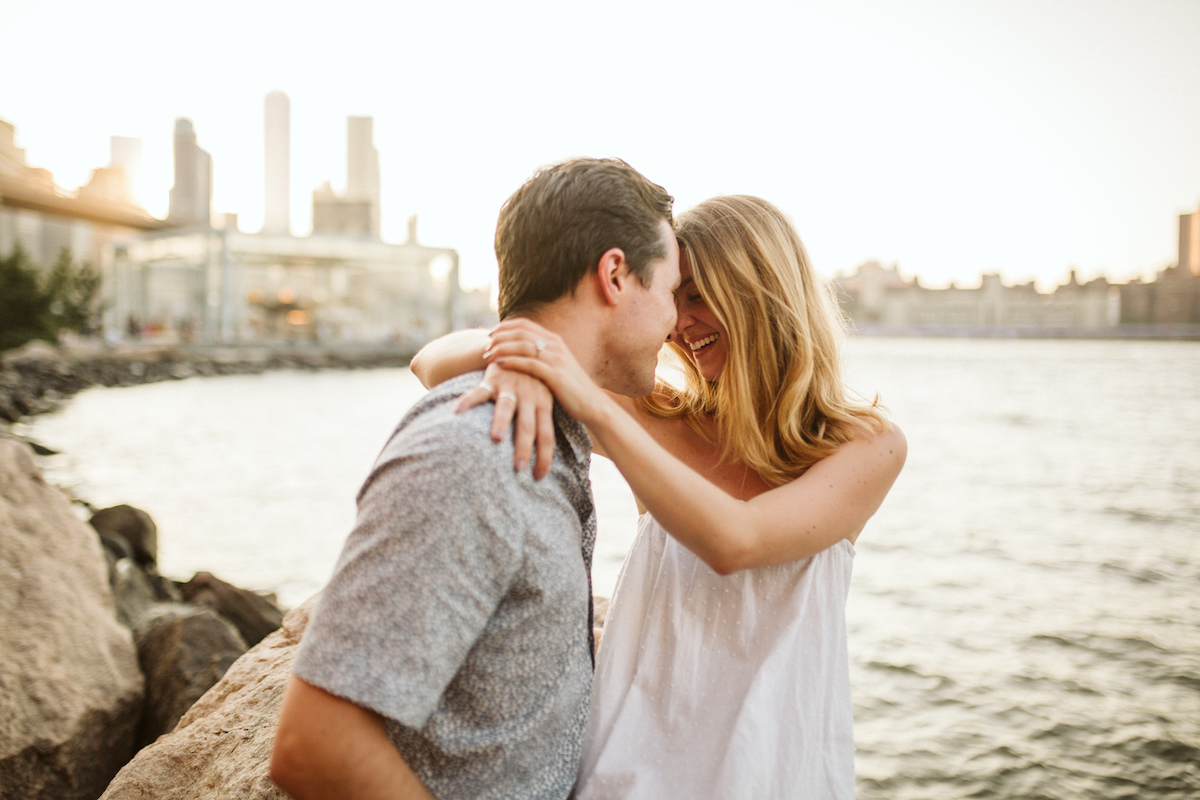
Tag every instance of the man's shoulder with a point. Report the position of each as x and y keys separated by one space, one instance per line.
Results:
x=436 y=408
x=432 y=426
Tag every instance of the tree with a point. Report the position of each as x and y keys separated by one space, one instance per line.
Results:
x=24 y=306
x=72 y=292
x=33 y=308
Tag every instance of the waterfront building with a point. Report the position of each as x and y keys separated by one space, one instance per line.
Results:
x=126 y=155
x=1189 y=243
x=878 y=299
x=43 y=219
x=277 y=158
x=362 y=168
x=340 y=284
x=191 y=196
x=1173 y=297
x=335 y=214
x=186 y=279
x=224 y=285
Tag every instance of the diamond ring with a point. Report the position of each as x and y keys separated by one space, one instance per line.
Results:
x=540 y=345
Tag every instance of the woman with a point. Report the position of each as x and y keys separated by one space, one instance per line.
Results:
x=723 y=670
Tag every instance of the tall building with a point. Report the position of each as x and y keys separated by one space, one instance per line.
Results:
x=116 y=182
x=126 y=155
x=191 y=196
x=277 y=127
x=362 y=167
x=1189 y=243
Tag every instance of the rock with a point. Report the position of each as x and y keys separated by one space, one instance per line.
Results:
x=134 y=526
x=132 y=590
x=136 y=589
x=118 y=548
x=183 y=651
x=70 y=688
x=34 y=351
x=254 y=615
x=221 y=748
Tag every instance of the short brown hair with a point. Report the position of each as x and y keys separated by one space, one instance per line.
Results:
x=555 y=228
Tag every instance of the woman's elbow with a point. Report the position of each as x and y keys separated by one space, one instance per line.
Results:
x=727 y=559
x=420 y=367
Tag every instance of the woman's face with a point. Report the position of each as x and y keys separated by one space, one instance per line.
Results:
x=696 y=328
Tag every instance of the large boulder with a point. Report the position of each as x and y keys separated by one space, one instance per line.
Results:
x=70 y=687
x=183 y=651
x=221 y=749
x=132 y=525
x=253 y=614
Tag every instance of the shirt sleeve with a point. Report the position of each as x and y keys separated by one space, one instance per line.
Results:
x=434 y=550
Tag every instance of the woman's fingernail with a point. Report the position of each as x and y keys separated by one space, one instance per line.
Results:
x=487 y=353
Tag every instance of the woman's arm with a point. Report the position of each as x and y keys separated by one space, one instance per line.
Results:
x=449 y=356
x=832 y=501
x=517 y=396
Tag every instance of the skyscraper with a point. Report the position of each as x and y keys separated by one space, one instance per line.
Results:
x=1189 y=243
x=126 y=155
x=277 y=127
x=191 y=196
x=362 y=166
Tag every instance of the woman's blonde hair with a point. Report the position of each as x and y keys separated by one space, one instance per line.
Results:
x=779 y=401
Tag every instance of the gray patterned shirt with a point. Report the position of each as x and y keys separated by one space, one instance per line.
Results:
x=459 y=608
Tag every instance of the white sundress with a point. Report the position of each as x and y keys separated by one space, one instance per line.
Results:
x=721 y=687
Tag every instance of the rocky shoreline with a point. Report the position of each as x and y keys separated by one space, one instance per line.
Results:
x=38 y=377
x=102 y=656
x=117 y=682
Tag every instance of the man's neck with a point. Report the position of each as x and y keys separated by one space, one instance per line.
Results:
x=579 y=331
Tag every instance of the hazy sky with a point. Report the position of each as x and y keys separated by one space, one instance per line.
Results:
x=951 y=136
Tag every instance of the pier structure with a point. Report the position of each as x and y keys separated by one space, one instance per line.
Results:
x=226 y=286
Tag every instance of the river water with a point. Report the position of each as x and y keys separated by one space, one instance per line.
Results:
x=1025 y=609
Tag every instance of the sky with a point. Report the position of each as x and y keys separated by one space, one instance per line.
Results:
x=949 y=137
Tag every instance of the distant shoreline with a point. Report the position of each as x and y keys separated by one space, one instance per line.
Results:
x=1135 y=332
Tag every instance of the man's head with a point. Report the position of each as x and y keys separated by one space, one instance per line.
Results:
x=586 y=247
x=554 y=229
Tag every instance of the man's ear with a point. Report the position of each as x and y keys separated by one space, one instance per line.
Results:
x=612 y=274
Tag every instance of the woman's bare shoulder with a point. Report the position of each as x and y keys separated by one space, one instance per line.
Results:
x=884 y=452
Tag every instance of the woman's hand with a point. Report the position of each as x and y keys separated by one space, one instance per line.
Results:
x=530 y=402
x=522 y=345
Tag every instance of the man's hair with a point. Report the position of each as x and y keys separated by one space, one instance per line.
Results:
x=554 y=229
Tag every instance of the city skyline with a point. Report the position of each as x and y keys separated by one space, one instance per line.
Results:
x=954 y=139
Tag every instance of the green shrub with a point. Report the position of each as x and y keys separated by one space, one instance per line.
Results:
x=33 y=307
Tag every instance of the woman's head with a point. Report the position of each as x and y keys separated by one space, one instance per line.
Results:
x=751 y=272
x=772 y=375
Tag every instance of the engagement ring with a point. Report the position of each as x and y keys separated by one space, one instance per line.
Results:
x=540 y=345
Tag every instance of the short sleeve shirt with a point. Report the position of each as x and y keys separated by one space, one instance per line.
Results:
x=459 y=609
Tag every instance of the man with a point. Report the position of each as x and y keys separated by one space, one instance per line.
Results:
x=450 y=655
